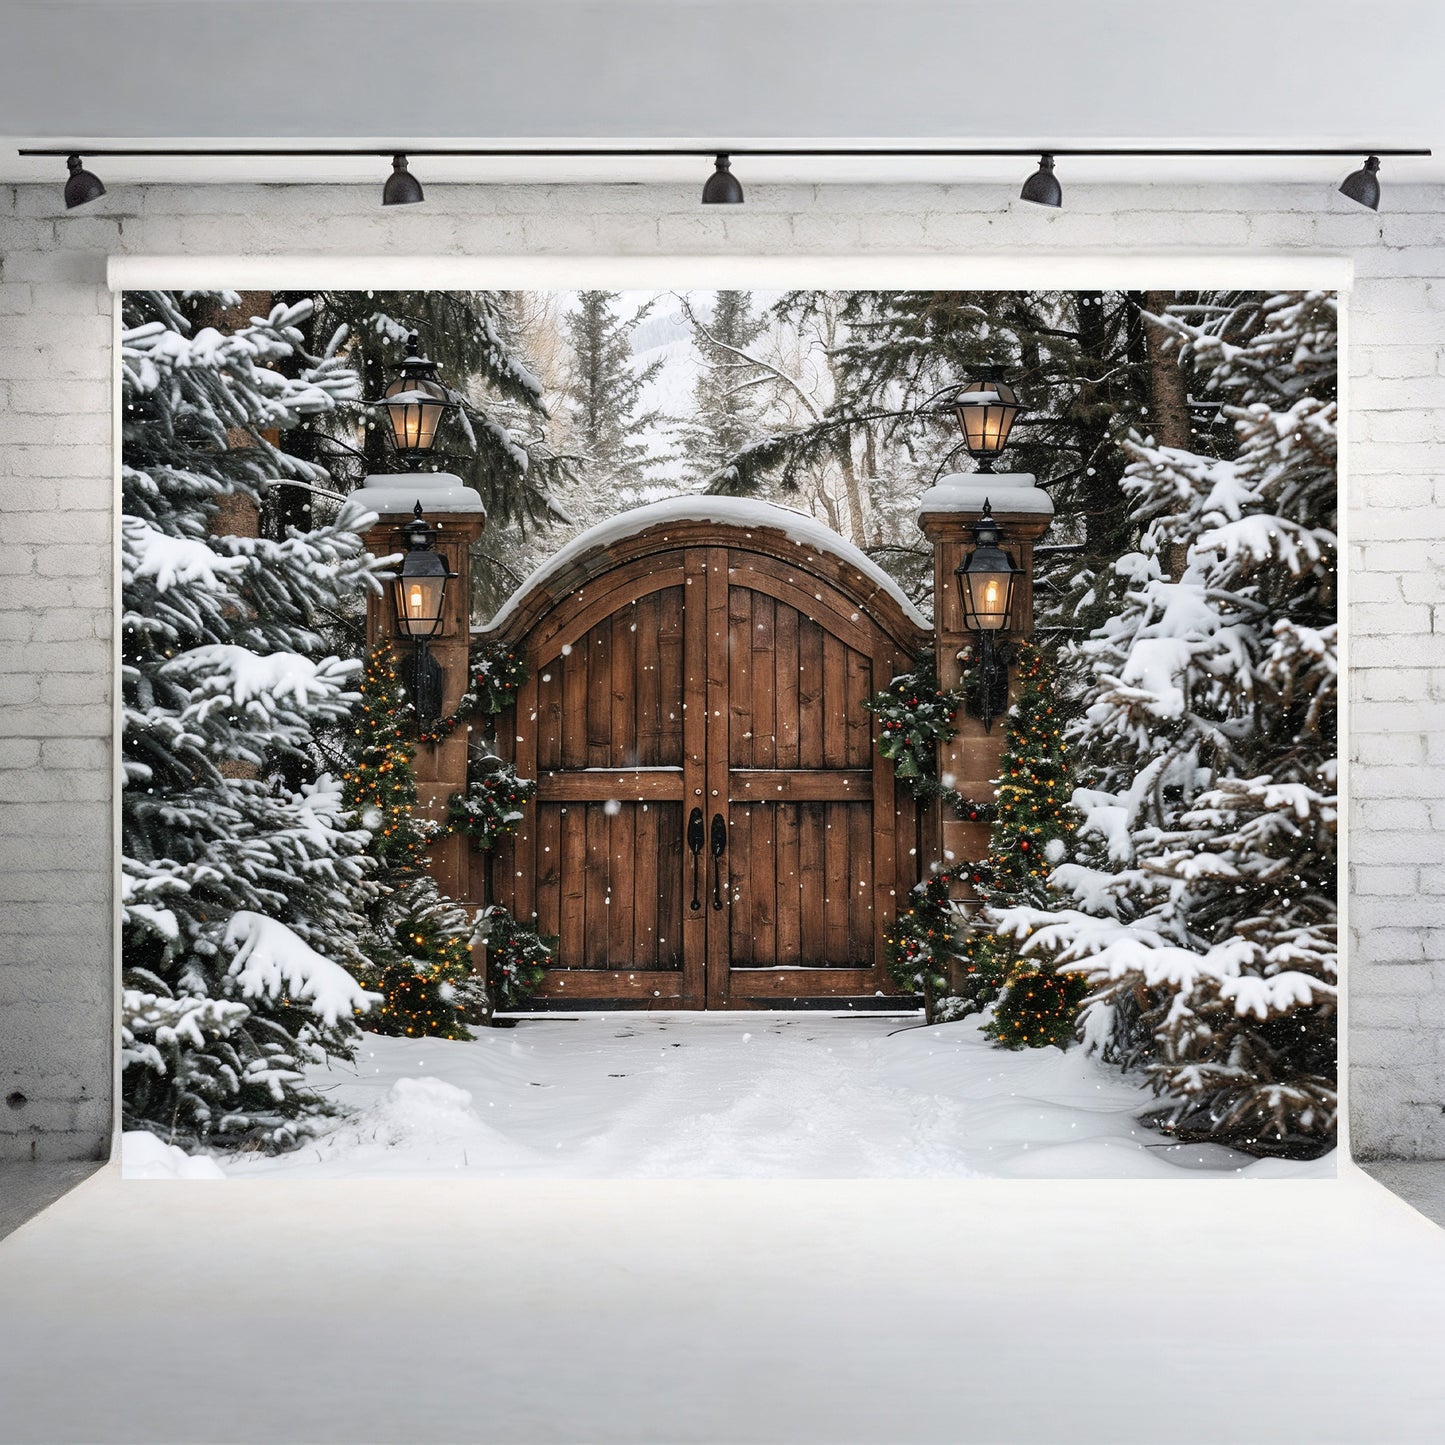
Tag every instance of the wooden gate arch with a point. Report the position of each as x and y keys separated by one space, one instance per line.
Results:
x=714 y=827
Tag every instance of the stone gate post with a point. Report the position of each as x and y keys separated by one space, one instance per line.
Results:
x=457 y=513
x=946 y=513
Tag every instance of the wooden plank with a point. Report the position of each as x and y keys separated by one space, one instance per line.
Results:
x=835 y=884
x=740 y=737
x=764 y=682
x=622 y=866
x=856 y=717
x=785 y=685
x=549 y=716
x=575 y=613
x=549 y=869
x=574 y=664
x=779 y=984
x=670 y=674
x=890 y=880
x=588 y=985
x=761 y=887
x=598 y=644
x=810 y=694
x=622 y=784
x=666 y=825
x=649 y=681
x=811 y=818
x=740 y=898
x=799 y=784
x=860 y=884
x=624 y=688
x=788 y=881
x=813 y=596
x=596 y=938
x=835 y=704
x=572 y=931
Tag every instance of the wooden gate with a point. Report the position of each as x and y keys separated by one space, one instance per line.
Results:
x=713 y=826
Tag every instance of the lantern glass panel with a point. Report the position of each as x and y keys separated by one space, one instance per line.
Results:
x=415 y=407
x=987 y=599
x=986 y=412
x=419 y=604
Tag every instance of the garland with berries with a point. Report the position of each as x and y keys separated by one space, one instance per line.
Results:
x=496 y=675
x=491 y=807
x=915 y=715
x=517 y=958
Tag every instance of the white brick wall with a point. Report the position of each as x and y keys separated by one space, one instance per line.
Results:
x=56 y=546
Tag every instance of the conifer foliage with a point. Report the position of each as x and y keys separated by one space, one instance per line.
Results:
x=1204 y=909
x=240 y=894
x=417 y=944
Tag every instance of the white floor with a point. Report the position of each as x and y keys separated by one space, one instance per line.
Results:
x=1187 y=1310
x=717 y=1096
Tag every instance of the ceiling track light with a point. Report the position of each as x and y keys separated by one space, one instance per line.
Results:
x=722 y=188
x=1363 y=185
x=1043 y=188
x=82 y=185
x=402 y=188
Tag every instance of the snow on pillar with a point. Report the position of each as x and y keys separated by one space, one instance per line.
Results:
x=457 y=514
x=947 y=513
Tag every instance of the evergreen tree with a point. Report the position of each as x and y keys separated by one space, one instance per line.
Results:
x=418 y=943
x=240 y=894
x=1032 y=826
x=727 y=407
x=604 y=398
x=1205 y=913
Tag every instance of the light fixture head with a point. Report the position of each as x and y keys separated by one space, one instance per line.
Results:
x=416 y=403
x=986 y=578
x=1043 y=188
x=1363 y=185
x=82 y=186
x=419 y=588
x=722 y=188
x=402 y=188
x=986 y=410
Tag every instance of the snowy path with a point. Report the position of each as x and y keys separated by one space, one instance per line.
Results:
x=718 y=1096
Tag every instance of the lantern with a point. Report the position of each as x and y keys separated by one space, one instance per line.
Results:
x=986 y=410
x=419 y=591
x=416 y=403
x=986 y=580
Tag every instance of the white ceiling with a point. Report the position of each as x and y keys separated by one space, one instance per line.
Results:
x=1033 y=72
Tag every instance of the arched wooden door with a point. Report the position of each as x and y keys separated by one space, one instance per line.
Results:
x=713 y=826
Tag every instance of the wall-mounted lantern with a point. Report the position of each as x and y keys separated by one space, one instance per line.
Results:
x=419 y=592
x=987 y=577
x=416 y=404
x=986 y=410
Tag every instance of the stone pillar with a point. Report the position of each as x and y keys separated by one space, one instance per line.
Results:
x=457 y=514
x=947 y=513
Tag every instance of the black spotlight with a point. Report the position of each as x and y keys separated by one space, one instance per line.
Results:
x=1043 y=188
x=82 y=186
x=402 y=188
x=1363 y=185
x=722 y=188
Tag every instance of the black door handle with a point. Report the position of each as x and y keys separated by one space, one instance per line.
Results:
x=694 y=842
x=719 y=846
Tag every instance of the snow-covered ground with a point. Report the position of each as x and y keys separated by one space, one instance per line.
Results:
x=764 y=1095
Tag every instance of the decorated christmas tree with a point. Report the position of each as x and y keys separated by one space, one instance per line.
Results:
x=1032 y=827
x=241 y=894
x=418 y=944
x=1205 y=909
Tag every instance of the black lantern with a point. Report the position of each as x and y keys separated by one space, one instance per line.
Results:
x=416 y=403
x=986 y=410
x=419 y=591
x=987 y=578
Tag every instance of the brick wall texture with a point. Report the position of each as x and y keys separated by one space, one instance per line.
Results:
x=57 y=546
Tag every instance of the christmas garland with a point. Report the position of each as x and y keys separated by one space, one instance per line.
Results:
x=915 y=716
x=491 y=807
x=497 y=674
x=517 y=957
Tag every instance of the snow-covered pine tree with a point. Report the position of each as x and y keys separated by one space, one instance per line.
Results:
x=1207 y=915
x=604 y=395
x=727 y=403
x=240 y=895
